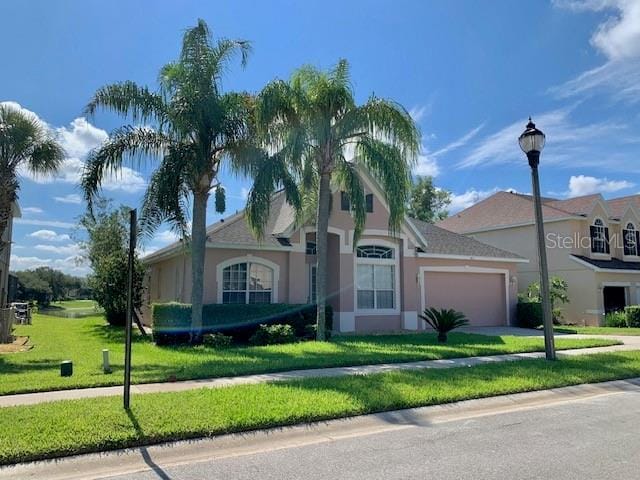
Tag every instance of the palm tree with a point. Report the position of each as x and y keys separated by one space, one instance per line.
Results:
x=190 y=127
x=25 y=143
x=318 y=130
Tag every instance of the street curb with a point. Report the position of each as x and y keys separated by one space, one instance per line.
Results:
x=128 y=461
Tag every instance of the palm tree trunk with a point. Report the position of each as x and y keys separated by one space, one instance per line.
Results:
x=322 y=237
x=198 y=245
x=7 y=197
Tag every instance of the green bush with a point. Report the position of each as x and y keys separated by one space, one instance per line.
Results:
x=443 y=320
x=632 y=313
x=172 y=321
x=615 y=319
x=529 y=314
x=217 y=340
x=273 y=334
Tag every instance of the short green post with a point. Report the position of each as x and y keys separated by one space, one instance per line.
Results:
x=66 y=368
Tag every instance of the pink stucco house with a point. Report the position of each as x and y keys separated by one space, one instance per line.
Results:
x=380 y=284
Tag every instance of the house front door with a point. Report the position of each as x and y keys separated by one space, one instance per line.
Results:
x=614 y=299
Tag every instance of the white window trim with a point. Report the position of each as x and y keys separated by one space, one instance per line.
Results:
x=465 y=269
x=625 y=257
x=604 y=227
x=395 y=262
x=275 y=268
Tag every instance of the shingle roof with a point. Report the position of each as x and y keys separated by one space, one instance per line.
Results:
x=577 y=205
x=444 y=242
x=617 y=206
x=235 y=229
x=500 y=209
x=613 y=264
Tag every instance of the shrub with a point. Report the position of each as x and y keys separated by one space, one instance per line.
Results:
x=529 y=314
x=310 y=331
x=443 y=321
x=217 y=340
x=615 y=319
x=273 y=334
x=172 y=321
x=632 y=313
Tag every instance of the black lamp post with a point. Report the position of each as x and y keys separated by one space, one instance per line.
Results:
x=532 y=142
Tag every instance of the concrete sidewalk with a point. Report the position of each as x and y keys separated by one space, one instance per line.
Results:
x=42 y=397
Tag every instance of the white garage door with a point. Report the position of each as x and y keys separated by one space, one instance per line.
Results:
x=480 y=296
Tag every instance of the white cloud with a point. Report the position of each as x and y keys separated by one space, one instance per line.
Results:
x=71 y=249
x=166 y=237
x=419 y=112
x=70 y=198
x=428 y=161
x=31 y=210
x=72 y=265
x=567 y=144
x=618 y=39
x=244 y=193
x=469 y=198
x=44 y=223
x=78 y=139
x=584 y=185
x=50 y=236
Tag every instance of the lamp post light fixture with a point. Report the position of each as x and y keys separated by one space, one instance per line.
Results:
x=532 y=142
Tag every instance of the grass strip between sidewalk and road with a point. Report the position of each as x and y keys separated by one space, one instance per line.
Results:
x=624 y=331
x=79 y=426
x=82 y=340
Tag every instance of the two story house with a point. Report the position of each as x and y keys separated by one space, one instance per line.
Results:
x=382 y=282
x=591 y=242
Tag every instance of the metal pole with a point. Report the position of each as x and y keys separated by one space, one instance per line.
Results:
x=127 y=350
x=547 y=319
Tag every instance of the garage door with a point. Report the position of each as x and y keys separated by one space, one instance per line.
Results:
x=480 y=296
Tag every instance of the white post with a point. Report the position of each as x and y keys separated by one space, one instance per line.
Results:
x=106 y=367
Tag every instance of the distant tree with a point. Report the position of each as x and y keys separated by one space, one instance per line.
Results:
x=428 y=202
x=45 y=284
x=32 y=287
x=106 y=249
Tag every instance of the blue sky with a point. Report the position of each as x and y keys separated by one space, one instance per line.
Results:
x=469 y=72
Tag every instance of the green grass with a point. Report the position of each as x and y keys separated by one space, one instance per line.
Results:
x=597 y=330
x=78 y=426
x=75 y=304
x=82 y=340
x=71 y=309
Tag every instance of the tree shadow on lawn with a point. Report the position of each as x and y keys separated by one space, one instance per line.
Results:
x=8 y=367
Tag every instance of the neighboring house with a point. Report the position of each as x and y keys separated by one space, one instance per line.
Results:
x=5 y=255
x=380 y=285
x=591 y=242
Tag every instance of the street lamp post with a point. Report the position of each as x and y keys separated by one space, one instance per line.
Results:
x=532 y=142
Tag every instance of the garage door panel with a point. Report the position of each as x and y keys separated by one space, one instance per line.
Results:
x=480 y=296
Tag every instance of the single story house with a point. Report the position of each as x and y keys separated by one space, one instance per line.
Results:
x=592 y=243
x=381 y=283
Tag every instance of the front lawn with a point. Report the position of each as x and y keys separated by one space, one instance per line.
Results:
x=78 y=426
x=82 y=340
x=597 y=330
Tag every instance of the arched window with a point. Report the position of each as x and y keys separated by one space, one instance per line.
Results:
x=247 y=282
x=630 y=239
x=599 y=237
x=376 y=277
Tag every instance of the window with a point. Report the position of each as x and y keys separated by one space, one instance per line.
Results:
x=310 y=248
x=375 y=277
x=599 y=237
x=630 y=239
x=374 y=251
x=312 y=283
x=345 y=203
x=369 y=202
x=247 y=283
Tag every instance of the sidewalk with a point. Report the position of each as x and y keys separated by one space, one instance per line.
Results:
x=42 y=397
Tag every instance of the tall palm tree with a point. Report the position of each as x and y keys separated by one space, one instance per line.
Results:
x=319 y=131
x=190 y=127
x=25 y=143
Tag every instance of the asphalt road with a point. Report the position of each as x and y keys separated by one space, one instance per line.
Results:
x=597 y=438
